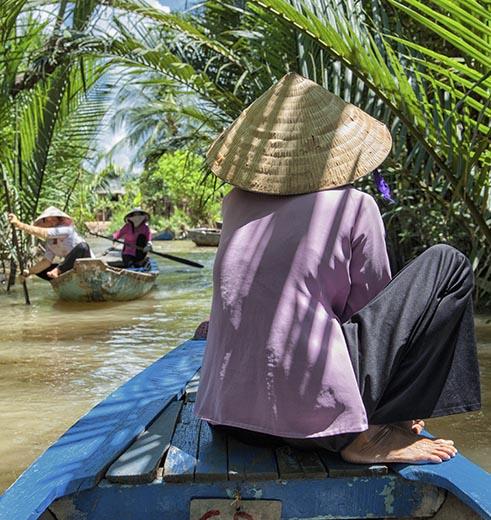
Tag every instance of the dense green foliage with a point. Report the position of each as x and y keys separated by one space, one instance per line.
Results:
x=431 y=85
x=52 y=104
x=175 y=184
x=423 y=67
x=175 y=193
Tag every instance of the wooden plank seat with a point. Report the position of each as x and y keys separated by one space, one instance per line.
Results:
x=140 y=462
x=202 y=461
x=187 y=450
x=178 y=448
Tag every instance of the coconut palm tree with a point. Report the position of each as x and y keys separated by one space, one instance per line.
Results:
x=422 y=67
x=52 y=100
x=434 y=94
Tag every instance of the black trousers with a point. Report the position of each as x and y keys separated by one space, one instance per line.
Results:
x=138 y=259
x=413 y=346
x=81 y=250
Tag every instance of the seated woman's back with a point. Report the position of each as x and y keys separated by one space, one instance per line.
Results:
x=288 y=270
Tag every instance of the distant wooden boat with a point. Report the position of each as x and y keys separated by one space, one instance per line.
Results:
x=205 y=236
x=94 y=280
x=167 y=234
x=142 y=454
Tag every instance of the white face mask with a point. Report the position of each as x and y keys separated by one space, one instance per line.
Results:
x=137 y=220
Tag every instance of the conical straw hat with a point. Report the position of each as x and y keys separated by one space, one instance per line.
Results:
x=298 y=138
x=137 y=210
x=52 y=211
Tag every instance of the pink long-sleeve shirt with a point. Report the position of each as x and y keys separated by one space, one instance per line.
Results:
x=130 y=234
x=288 y=272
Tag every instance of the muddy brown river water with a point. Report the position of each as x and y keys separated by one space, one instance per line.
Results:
x=57 y=360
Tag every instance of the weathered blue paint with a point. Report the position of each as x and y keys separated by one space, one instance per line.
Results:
x=293 y=463
x=93 y=280
x=139 y=463
x=339 y=468
x=212 y=456
x=467 y=481
x=182 y=456
x=356 y=497
x=80 y=457
x=248 y=462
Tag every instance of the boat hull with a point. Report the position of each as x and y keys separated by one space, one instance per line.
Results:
x=387 y=496
x=205 y=236
x=92 y=280
x=142 y=453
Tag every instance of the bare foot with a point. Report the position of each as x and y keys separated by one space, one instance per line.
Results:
x=391 y=443
x=54 y=273
x=417 y=425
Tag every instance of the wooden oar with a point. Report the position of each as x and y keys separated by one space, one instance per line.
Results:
x=163 y=255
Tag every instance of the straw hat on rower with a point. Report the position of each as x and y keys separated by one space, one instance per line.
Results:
x=137 y=211
x=298 y=138
x=52 y=211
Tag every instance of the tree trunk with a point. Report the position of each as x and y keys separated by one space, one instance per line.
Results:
x=12 y=275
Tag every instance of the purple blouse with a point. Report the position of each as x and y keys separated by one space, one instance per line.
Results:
x=288 y=272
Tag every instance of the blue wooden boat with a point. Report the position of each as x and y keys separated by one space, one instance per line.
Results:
x=91 y=280
x=142 y=454
x=167 y=234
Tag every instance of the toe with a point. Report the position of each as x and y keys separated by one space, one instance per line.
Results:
x=443 y=455
x=434 y=458
x=447 y=449
x=445 y=441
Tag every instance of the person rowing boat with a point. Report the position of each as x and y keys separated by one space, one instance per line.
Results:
x=137 y=238
x=56 y=229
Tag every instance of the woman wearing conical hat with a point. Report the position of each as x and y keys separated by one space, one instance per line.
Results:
x=310 y=341
x=56 y=228
x=137 y=238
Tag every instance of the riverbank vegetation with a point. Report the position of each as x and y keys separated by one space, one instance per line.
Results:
x=69 y=70
x=175 y=191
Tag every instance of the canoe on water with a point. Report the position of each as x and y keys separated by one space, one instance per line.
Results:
x=142 y=454
x=205 y=236
x=91 y=279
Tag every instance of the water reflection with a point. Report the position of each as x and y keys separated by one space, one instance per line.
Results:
x=472 y=431
x=58 y=359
